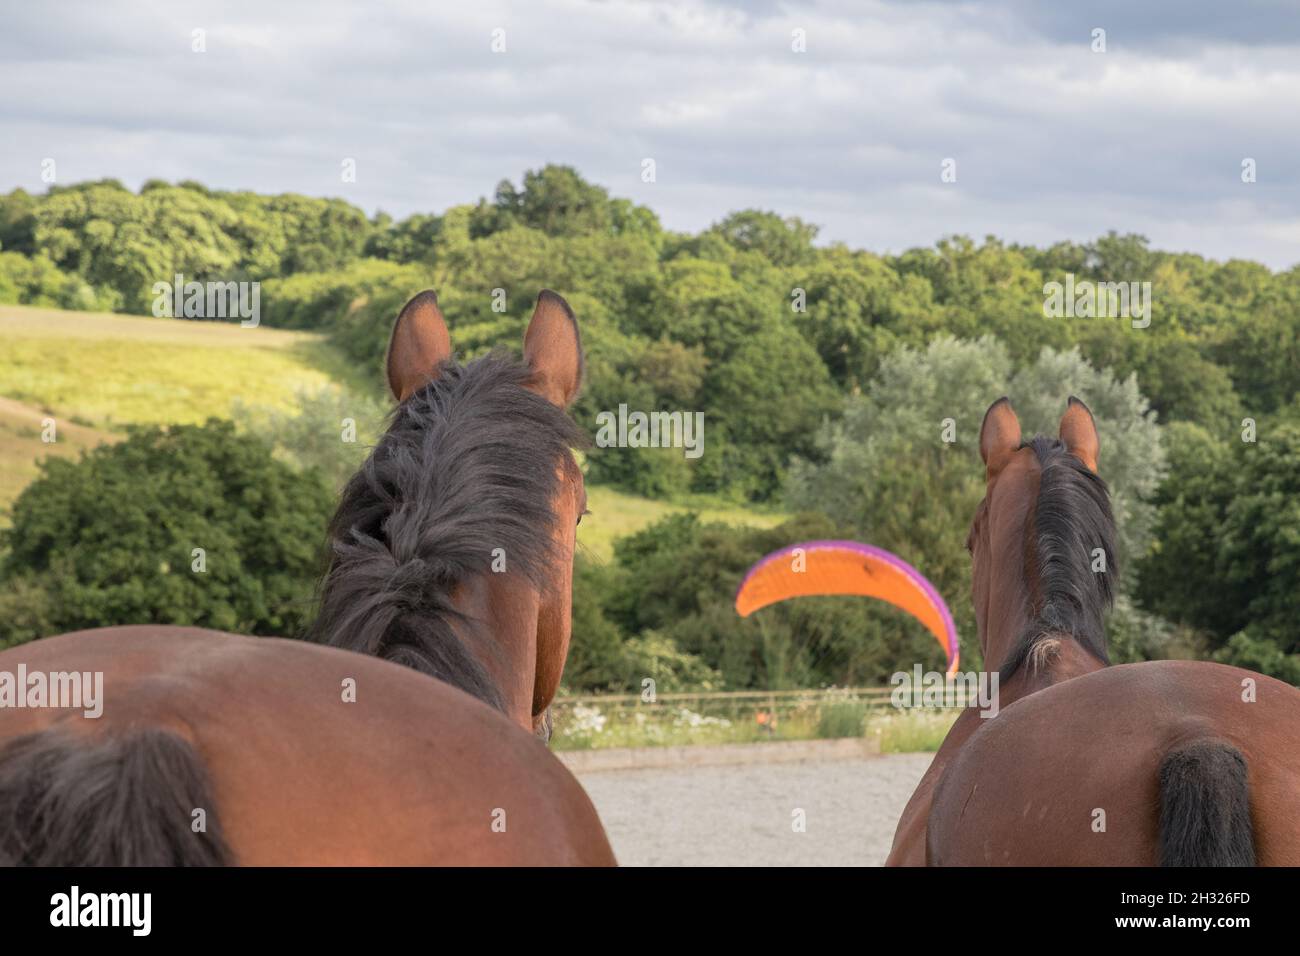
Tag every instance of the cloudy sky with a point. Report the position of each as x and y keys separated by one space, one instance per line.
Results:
x=1051 y=139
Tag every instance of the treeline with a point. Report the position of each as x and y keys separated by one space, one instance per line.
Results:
x=824 y=374
x=746 y=321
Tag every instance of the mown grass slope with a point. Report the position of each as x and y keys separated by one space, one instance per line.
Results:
x=104 y=371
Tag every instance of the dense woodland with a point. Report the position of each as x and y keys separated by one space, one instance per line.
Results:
x=825 y=374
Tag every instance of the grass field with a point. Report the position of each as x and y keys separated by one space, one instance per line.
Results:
x=615 y=513
x=95 y=372
x=104 y=371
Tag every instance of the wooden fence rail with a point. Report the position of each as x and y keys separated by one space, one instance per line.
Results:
x=875 y=696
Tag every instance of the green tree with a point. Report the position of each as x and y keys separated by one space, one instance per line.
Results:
x=17 y=221
x=782 y=242
x=1228 y=557
x=111 y=539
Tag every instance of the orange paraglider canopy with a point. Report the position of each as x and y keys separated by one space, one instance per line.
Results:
x=848 y=567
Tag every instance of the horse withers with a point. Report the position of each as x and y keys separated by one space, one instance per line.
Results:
x=413 y=739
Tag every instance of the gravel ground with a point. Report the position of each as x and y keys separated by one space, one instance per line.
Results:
x=743 y=815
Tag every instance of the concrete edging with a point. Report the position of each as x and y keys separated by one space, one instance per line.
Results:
x=719 y=755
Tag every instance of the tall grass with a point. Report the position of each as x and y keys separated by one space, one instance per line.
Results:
x=842 y=719
x=911 y=731
x=597 y=726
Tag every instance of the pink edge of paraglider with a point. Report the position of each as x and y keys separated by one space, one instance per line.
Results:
x=888 y=557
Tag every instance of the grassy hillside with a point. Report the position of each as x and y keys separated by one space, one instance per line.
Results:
x=615 y=513
x=96 y=372
x=22 y=445
x=104 y=370
x=93 y=373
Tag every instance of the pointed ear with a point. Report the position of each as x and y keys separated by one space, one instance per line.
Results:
x=419 y=344
x=999 y=435
x=1079 y=432
x=553 y=350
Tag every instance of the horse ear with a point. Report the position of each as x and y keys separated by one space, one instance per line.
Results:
x=999 y=435
x=1079 y=432
x=553 y=350
x=419 y=345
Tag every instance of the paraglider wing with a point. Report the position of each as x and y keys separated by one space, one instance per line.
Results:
x=848 y=567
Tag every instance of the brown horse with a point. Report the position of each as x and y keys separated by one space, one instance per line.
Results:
x=1169 y=762
x=451 y=576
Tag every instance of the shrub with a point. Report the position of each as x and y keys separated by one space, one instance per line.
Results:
x=842 y=718
x=112 y=538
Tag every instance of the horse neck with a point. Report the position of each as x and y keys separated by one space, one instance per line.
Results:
x=1004 y=619
x=1007 y=619
x=499 y=626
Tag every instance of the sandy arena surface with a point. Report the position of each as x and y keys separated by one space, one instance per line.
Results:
x=742 y=815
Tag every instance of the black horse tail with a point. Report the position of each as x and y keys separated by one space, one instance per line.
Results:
x=1205 y=806
x=127 y=800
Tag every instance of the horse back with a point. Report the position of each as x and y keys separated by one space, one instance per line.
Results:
x=316 y=756
x=1071 y=775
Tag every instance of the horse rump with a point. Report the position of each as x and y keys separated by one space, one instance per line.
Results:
x=125 y=800
x=1205 y=807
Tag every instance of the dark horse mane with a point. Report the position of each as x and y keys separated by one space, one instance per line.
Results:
x=467 y=465
x=1072 y=518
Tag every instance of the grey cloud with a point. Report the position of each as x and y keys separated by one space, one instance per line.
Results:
x=1052 y=141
